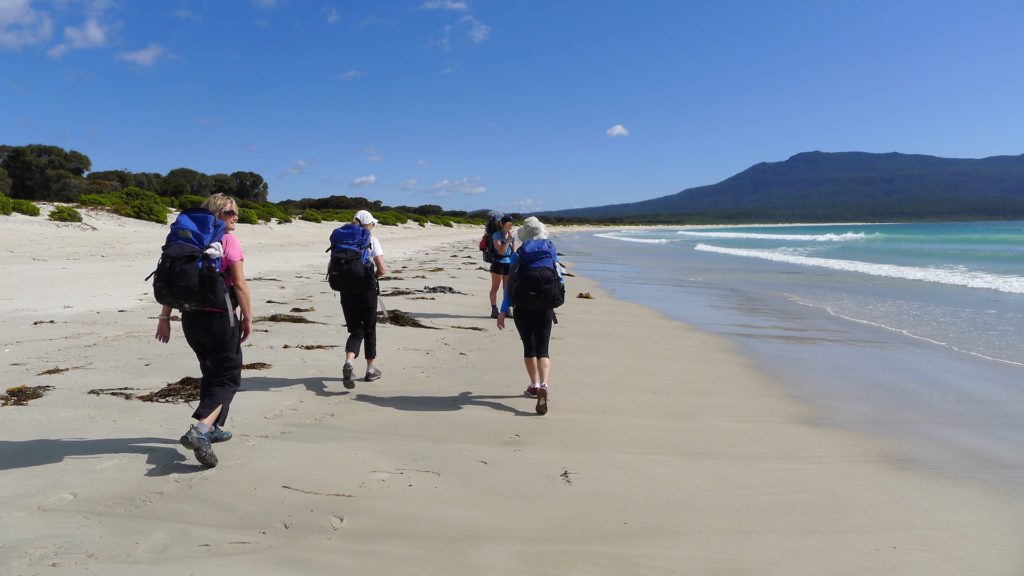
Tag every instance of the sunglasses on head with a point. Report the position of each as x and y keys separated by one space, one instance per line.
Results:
x=229 y=213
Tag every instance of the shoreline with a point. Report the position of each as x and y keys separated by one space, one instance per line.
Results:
x=665 y=449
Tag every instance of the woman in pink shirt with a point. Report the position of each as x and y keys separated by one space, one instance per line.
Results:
x=216 y=338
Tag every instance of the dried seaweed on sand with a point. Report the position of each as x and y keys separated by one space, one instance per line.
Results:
x=399 y=318
x=286 y=318
x=20 y=395
x=184 y=390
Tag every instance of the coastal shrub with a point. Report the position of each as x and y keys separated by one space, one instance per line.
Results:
x=24 y=207
x=247 y=216
x=284 y=219
x=97 y=200
x=144 y=210
x=134 y=194
x=390 y=218
x=311 y=216
x=6 y=207
x=65 y=214
x=192 y=201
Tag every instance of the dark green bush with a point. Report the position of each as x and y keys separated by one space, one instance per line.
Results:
x=24 y=207
x=6 y=206
x=192 y=201
x=247 y=216
x=311 y=216
x=65 y=214
x=133 y=194
x=143 y=210
x=98 y=200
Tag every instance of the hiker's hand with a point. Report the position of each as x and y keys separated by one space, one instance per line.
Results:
x=246 y=328
x=163 y=330
x=501 y=321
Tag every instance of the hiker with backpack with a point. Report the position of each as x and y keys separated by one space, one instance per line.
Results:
x=535 y=289
x=357 y=262
x=201 y=273
x=502 y=246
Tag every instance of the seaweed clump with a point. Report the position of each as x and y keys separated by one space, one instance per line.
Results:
x=20 y=395
x=399 y=318
x=256 y=366
x=184 y=390
x=286 y=318
x=122 y=392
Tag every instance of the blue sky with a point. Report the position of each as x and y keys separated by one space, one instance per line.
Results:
x=518 y=105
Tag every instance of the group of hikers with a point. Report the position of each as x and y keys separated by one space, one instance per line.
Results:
x=201 y=273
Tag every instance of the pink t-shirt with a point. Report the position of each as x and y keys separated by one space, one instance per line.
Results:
x=232 y=253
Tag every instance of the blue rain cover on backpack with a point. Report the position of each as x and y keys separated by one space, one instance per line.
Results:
x=350 y=269
x=186 y=277
x=534 y=282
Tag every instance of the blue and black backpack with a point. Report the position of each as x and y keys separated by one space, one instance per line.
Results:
x=534 y=282
x=350 y=269
x=186 y=277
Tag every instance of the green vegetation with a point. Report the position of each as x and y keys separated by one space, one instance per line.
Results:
x=24 y=207
x=6 y=205
x=65 y=214
x=311 y=215
x=247 y=216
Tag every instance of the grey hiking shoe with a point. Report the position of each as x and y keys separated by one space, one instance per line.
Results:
x=199 y=443
x=346 y=376
x=219 y=434
x=372 y=373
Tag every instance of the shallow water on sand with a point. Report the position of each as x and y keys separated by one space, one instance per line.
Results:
x=924 y=357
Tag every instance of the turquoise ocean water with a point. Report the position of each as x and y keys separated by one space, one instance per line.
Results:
x=913 y=330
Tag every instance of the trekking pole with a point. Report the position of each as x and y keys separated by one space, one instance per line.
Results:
x=380 y=304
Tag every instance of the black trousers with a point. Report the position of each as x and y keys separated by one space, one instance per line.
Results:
x=534 y=328
x=360 y=311
x=218 y=346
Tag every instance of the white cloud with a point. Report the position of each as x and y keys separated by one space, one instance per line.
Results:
x=299 y=166
x=20 y=25
x=421 y=162
x=364 y=181
x=447 y=5
x=91 y=34
x=408 y=184
x=465 y=186
x=478 y=31
x=188 y=15
x=525 y=204
x=351 y=74
x=371 y=154
x=145 y=57
x=332 y=15
x=616 y=131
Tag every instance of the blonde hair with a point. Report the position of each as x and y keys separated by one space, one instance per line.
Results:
x=218 y=203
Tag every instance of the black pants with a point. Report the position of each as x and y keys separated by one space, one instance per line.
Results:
x=218 y=346
x=360 y=311
x=534 y=328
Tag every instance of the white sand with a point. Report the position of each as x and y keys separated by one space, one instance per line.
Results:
x=665 y=452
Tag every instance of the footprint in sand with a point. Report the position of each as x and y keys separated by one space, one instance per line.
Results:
x=58 y=500
x=335 y=522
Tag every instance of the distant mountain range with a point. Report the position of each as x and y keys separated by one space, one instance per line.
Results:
x=841 y=186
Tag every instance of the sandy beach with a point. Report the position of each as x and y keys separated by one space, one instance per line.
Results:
x=665 y=451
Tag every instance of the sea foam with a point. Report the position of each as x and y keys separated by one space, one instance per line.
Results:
x=845 y=237
x=955 y=277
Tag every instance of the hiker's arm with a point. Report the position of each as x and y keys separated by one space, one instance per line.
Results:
x=378 y=261
x=503 y=246
x=242 y=292
x=163 y=325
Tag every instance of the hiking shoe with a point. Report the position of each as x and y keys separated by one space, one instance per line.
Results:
x=199 y=443
x=219 y=434
x=531 y=391
x=346 y=376
x=372 y=373
x=494 y=312
x=542 y=401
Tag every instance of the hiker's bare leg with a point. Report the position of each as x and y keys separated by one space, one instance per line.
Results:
x=531 y=368
x=495 y=282
x=209 y=420
x=544 y=368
